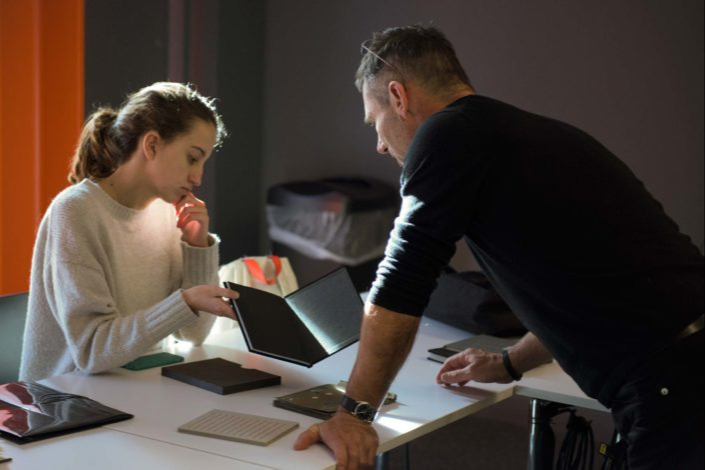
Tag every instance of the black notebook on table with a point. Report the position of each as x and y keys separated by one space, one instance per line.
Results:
x=220 y=376
x=30 y=412
x=304 y=327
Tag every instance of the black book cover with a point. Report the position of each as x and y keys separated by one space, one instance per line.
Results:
x=304 y=327
x=220 y=376
x=30 y=412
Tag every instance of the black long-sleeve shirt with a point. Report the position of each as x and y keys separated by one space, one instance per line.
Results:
x=572 y=240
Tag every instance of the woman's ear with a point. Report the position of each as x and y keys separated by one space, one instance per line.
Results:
x=148 y=144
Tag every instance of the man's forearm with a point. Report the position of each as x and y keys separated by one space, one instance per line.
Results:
x=529 y=353
x=386 y=338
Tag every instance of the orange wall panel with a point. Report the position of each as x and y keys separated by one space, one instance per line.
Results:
x=18 y=140
x=41 y=112
x=61 y=92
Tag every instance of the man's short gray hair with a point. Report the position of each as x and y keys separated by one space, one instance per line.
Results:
x=418 y=53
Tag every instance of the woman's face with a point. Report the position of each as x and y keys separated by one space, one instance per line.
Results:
x=177 y=166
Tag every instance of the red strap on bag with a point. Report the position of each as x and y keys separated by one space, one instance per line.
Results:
x=256 y=270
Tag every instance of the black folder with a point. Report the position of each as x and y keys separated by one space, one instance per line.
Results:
x=221 y=376
x=304 y=327
x=30 y=412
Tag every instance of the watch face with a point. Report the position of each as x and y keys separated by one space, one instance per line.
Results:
x=365 y=412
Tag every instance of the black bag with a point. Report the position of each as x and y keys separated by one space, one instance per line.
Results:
x=467 y=300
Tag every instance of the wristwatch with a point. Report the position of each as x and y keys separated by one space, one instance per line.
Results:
x=359 y=409
x=511 y=371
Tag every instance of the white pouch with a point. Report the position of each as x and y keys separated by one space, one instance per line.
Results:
x=272 y=274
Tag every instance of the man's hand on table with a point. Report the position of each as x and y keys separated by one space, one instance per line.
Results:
x=473 y=364
x=485 y=367
x=353 y=442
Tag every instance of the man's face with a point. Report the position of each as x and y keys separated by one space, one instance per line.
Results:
x=394 y=135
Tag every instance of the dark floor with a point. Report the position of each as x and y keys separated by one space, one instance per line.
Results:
x=494 y=439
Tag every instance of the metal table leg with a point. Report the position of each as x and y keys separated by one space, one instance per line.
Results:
x=542 y=441
x=382 y=461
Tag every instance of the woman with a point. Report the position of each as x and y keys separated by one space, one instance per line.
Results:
x=123 y=257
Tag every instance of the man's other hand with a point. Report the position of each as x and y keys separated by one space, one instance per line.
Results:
x=473 y=364
x=353 y=442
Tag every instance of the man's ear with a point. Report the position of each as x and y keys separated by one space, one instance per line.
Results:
x=148 y=144
x=398 y=98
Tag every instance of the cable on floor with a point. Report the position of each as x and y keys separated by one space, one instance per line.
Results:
x=578 y=448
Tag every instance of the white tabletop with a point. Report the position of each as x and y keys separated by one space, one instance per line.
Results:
x=161 y=405
x=111 y=450
x=550 y=383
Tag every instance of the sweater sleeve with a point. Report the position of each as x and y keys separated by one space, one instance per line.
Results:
x=200 y=266
x=97 y=335
x=440 y=179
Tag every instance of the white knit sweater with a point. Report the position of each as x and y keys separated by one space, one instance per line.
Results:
x=105 y=284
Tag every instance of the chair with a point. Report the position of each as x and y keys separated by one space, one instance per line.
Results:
x=13 y=310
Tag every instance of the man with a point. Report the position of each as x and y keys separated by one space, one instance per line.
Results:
x=583 y=254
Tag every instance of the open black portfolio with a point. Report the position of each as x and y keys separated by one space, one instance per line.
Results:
x=304 y=327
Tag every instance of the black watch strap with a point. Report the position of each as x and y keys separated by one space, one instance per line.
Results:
x=509 y=367
x=359 y=409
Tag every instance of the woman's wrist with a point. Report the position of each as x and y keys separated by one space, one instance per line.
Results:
x=186 y=296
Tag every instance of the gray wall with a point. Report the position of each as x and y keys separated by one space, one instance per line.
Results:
x=117 y=62
x=236 y=213
x=218 y=45
x=630 y=73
